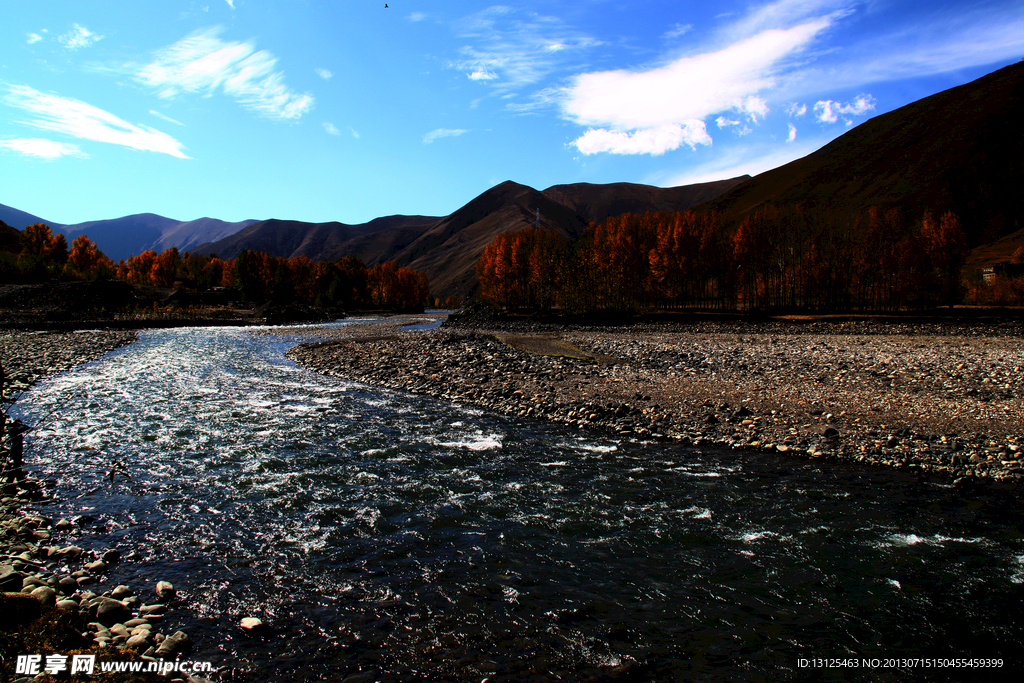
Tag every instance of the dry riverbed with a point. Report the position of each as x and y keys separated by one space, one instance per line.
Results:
x=940 y=399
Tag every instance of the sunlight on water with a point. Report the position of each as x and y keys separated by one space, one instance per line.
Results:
x=379 y=530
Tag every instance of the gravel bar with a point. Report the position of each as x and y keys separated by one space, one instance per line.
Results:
x=940 y=399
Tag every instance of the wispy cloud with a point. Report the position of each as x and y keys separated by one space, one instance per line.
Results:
x=795 y=109
x=39 y=148
x=792 y=133
x=78 y=37
x=231 y=3
x=203 y=63
x=33 y=38
x=509 y=48
x=80 y=120
x=331 y=128
x=442 y=133
x=934 y=44
x=417 y=16
x=324 y=74
x=354 y=132
x=166 y=118
x=677 y=30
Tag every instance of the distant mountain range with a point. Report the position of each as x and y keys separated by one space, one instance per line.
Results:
x=447 y=248
x=958 y=150
x=120 y=238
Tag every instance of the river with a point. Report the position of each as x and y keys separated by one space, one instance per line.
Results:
x=405 y=537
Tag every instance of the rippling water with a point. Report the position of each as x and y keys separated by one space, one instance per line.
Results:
x=379 y=531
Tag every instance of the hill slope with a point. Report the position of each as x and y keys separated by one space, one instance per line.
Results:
x=958 y=150
x=18 y=219
x=448 y=248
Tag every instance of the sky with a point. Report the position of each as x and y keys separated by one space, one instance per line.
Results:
x=349 y=110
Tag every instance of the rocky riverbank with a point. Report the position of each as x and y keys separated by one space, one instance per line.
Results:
x=942 y=399
x=53 y=597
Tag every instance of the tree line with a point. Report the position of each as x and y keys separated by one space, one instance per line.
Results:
x=778 y=258
x=256 y=276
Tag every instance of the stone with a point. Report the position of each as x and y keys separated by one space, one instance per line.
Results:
x=252 y=625
x=138 y=642
x=70 y=553
x=121 y=592
x=174 y=644
x=97 y=567
x=110 y=611
x=165 y=590
x=150 y=610
x=111 y=556
x=46 y=595
x=11 y=580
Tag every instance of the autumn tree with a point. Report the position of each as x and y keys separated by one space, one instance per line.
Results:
x=86 y=261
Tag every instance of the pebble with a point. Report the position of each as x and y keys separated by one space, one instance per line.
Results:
x=885 y=394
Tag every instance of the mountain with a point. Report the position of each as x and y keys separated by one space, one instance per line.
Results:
x=19 y=220
x=10 y=238
x=318 y=241
x=448 y=248
x=190 y=234
x=959 y=150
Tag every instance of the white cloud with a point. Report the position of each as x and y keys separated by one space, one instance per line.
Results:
x=417 y=16
x=792 y=133
x=690 y=87
x=756 y=108
x=81 y=120
x=331 y=128
x=324 y=74
x=202 y=63
x=40 y=148
x=795 y=109
x=723 y=122
x=33 y=38
x=677 y=30
x=166 y=118
x=442 y=133
x=231 y=3
x=827 y=111
x=354 y=132
x=510 y=49
x=78 y=37
x=653 y=141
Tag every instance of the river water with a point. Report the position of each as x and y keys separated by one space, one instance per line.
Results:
x=412 y=539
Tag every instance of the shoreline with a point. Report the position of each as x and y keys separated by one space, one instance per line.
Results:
x=939 y=399
x=56 y=598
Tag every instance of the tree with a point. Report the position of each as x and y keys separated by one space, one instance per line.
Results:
x=84 y=258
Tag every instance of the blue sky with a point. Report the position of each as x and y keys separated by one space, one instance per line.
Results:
x=345 y=110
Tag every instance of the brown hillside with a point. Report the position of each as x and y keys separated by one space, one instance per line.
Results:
x=960 y=150
x=448 y=248
x=595 y=203
x=10 y=238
